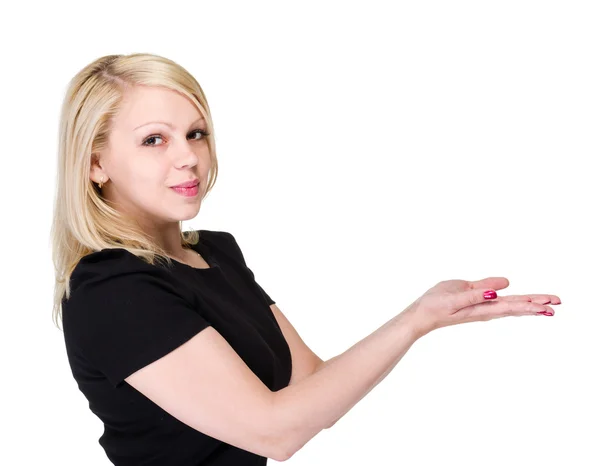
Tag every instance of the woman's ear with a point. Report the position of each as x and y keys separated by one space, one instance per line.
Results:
x=97 y=174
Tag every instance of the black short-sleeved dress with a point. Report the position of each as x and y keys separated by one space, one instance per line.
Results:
x=124 y=313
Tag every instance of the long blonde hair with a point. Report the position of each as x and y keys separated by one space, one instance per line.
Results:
x=83 y=222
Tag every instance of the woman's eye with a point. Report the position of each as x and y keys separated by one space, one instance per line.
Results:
x=147 y=142
x=201 y=132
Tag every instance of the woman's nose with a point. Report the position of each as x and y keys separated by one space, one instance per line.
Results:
x=186 y=158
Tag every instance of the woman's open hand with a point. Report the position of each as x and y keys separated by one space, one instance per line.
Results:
x=452 y=302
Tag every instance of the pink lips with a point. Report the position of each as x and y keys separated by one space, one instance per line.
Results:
x=187 y=184
x=188 y=189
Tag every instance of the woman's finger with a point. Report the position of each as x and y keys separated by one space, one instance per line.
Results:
x=548 y=298
x=497 y=309
x=492 y=283
x=468 y=298
x=515 y=297
x=536 y=298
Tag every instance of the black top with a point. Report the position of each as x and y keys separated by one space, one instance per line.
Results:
x=124 y=313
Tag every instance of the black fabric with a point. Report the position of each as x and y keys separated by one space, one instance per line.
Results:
x=124 y=313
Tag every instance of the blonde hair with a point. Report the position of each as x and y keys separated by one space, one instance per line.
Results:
x=83 y=222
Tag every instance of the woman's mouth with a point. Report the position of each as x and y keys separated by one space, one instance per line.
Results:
x=188 y=192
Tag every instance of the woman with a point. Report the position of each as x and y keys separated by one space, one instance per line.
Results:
x=179 y=351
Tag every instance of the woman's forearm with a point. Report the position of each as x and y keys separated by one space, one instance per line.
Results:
x=373 y=385
x=303 y=409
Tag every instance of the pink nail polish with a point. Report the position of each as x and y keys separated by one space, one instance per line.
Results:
x=491 y=294
x=546 y=313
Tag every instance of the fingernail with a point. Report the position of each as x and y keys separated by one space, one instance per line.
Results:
x=546 y=313
x=491 y=294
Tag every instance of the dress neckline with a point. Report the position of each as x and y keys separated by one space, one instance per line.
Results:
x=204 y=251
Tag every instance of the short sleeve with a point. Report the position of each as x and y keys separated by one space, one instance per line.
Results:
x=238 y=251
x=124 y=314
x=264 y=293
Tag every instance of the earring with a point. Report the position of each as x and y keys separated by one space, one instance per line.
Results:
x=101 y=182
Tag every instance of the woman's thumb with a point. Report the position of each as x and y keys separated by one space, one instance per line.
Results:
x=472 y=297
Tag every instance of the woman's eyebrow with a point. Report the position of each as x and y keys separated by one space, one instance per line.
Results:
x=167 y=124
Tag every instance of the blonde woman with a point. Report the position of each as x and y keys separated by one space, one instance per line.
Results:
x=179 y=351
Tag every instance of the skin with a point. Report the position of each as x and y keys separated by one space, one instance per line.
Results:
x=142 y=161
x=453 y=302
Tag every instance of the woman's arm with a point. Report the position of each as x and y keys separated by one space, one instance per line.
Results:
x=317 y=402
x=373 y=385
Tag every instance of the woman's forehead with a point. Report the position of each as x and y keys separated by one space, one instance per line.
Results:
x=144 y=104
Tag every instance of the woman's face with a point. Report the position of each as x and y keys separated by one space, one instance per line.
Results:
x=156 y=142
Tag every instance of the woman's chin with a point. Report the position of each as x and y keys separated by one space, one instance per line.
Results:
x=188 y=214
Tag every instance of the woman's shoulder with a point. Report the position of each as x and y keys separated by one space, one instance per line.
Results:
x=216 y=237
x=223 y=241
x=108 y=259
x=109 y=264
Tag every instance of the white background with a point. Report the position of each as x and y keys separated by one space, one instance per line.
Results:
x=367 y=150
